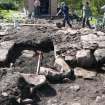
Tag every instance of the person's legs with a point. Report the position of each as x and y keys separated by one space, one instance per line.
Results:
x=38 y=11
x=88 y=23
x=35 y=12
x=64 y=22
x=68 y=22
x=29 y=15
x=66 y=19
x=83 y=22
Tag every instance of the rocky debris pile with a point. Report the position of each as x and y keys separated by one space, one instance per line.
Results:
x=82 y=47
x=85 y=46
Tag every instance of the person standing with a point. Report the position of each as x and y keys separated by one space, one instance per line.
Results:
x=87 y=13
x=65 y=11
x=30 y=7
x=37 y=8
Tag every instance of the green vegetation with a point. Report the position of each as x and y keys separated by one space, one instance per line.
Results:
x=11 y=15
x=9 y=9
x=73 y=4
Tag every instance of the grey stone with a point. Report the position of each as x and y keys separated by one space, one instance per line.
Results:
x=61 y=65
x=98 y=98
x=100 y=55
x=85 y=58
x=28 y=53
x=5 y=94
x=84 y=73
x=59 y=25
x=75 y=87
x=4 y=49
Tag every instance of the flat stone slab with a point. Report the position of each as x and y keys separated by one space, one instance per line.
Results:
x=49 y=72
x=84 y=73
x=85 y=58
x=34 y=79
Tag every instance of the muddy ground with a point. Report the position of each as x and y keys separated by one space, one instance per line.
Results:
x=78 y=91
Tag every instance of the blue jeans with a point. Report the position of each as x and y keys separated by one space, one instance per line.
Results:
x=66 y=19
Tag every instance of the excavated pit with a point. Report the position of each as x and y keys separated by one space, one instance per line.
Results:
x=15 y=54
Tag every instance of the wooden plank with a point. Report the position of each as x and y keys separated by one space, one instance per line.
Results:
x=22 y=24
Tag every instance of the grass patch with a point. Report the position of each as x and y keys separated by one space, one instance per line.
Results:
x=10 y=15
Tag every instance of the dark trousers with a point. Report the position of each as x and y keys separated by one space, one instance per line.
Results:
x=86 y=20
x=36 y=12
x=66 y=19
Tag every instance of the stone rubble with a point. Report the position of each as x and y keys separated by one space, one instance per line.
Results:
x=86 y=45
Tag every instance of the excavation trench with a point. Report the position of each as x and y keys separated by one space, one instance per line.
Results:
x=15 y=53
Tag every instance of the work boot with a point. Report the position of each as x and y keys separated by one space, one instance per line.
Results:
x=83 y=22
x=69 y=24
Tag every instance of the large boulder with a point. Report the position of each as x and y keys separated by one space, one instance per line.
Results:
x=85 y=58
